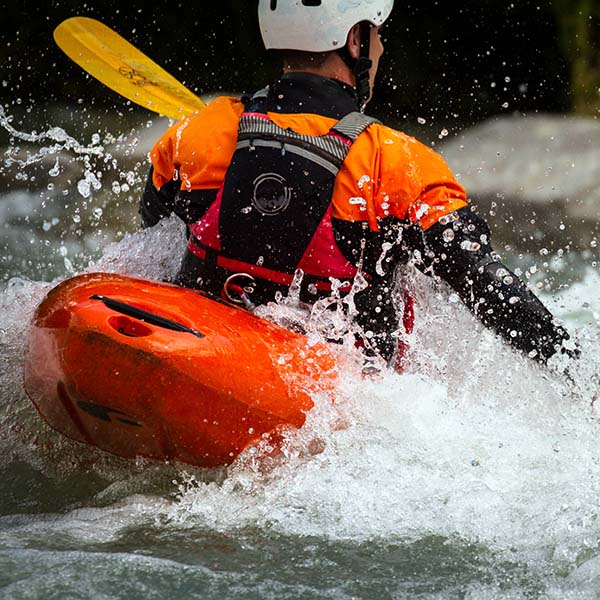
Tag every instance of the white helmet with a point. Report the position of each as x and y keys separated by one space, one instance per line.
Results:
x=316 y=25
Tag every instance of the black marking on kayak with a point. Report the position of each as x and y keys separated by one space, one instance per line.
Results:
x=144 y=315
x=104 y=413
x=69 y=405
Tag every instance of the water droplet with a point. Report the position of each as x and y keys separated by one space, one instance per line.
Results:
x=448 y=235
x=364 y=179
x=358 y=201
x=55 y=170
x=470 y=246
x=83 y=187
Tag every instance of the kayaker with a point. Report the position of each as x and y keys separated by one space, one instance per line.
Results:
x=297 y=179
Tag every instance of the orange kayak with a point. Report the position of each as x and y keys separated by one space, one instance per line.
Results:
x=142 y=368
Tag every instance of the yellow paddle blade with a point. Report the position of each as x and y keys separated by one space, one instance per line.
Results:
x=111 y=59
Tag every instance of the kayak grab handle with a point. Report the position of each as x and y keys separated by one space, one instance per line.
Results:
x=144 y=315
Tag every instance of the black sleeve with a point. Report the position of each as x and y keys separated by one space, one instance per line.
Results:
x=189 y=206
x=376 y=305
x=157 y=204
x=458 y=250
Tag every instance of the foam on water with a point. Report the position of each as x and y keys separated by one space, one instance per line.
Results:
x=473 y=444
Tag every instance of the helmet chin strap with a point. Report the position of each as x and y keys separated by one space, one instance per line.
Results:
x=361 y=66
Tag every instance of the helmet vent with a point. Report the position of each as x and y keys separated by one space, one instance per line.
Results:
x=273 y=4
x=311 y=2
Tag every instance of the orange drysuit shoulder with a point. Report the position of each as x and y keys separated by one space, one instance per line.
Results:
x=198 y=150
x=388 y=173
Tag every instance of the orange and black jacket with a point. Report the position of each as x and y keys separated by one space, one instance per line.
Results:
x=389 y=200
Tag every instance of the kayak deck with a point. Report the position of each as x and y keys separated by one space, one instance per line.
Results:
x=142 y=368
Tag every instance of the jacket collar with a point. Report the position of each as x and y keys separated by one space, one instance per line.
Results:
x=298 y=92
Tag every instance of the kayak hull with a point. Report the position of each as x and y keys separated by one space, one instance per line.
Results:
x=105 y=367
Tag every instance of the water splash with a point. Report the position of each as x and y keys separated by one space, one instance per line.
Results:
x=473 y=444
x=54 y=142
x=62 y=142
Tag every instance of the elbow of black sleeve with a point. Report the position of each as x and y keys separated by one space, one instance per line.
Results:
x=154 y=204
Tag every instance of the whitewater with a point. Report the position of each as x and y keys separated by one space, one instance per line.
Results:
x=474 y=474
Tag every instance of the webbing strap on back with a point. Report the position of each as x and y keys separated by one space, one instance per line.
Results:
x=252 y=125
x=352 y=125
